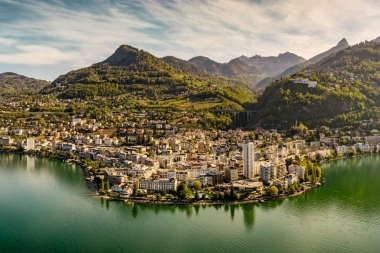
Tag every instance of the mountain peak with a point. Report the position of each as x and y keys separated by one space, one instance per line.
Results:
x=343 y=42
x=128 y=48
x=124 y=55
x=376 y=40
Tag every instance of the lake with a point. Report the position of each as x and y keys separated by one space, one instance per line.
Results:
x=45 y=206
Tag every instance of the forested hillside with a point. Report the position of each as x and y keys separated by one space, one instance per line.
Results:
x=347 y=91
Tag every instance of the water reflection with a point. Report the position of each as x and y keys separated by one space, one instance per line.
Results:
x=247 y=211
x=135 y=211
x=248 y=215
x=232 y=212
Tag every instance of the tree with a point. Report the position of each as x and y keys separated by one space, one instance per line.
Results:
x=292 y=189
x=183 y=191
x=288 y=161
x=135 y=189
x=197 y=185
x=158 y=196
x=251 y=136
x=102 y=184
x=196 y=197
x=232 y=192
x=108 y=185
x=273 y=191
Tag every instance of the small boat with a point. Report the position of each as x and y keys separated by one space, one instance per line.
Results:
x=261 y=201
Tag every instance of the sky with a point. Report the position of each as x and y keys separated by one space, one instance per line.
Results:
x=46 y=38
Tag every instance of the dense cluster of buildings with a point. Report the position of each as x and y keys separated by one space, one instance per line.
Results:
x=159 y=154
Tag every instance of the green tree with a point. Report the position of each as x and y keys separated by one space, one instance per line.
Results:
x=102 y=184
x=197 y=185
x=196 y=196
x=183 y=191
x=292 y=189
x=108 y=185
x=273 y=191
x=232 y=192
x=135 y=189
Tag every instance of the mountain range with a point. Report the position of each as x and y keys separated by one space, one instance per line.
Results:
x=342 y=44
x=141 y=76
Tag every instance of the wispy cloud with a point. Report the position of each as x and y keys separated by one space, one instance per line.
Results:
x=77 y=34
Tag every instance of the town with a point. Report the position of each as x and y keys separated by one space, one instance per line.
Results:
x=151 y=154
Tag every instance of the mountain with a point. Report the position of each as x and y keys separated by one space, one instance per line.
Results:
x=347 y=91
x=235 y=69
x=11 y=83
x=139 y=77
x=342 y=44
x=207 y=64
x=185 y=66
x=273 y=65
x=376 y=40
x=126 y=67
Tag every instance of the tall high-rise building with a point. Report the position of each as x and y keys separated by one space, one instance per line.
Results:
x=248 y=160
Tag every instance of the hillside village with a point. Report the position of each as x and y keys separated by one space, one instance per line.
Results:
x=145 y=147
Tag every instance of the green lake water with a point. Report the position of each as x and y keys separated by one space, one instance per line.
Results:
x=45 y=207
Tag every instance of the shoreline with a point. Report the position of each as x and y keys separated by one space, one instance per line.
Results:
x=94 y=193
x=201 y=202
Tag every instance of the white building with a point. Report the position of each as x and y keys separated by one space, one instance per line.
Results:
x=248 y=160
x=291 y=179
x=341 y=149
x=30 y=144
x=157 y=184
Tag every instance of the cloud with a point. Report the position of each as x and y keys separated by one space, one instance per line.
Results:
x=225 y=29
x=37 y=32
x=37 y=55
x=6 y=42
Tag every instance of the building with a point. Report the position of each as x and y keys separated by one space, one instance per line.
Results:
x=267 y=171
x=30 y=144
x=157 y=184
x=341 y=150
x=114 y=177
x=232 y=174
x=297 y=169
x=6 y=140
x=291 y=179
x=248 y=160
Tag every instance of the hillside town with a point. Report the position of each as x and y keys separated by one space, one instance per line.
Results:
x=145 y=148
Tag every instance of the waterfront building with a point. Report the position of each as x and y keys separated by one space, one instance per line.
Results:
x=291 y=179
x=297 y=169
x=157 y=184
x=114 y=177
x=248 y=160
x=30 y=144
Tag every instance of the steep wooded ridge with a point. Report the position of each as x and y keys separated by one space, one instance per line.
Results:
x=347 y=91
x=342 y=44
x=12 y=83
x=131 y=71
